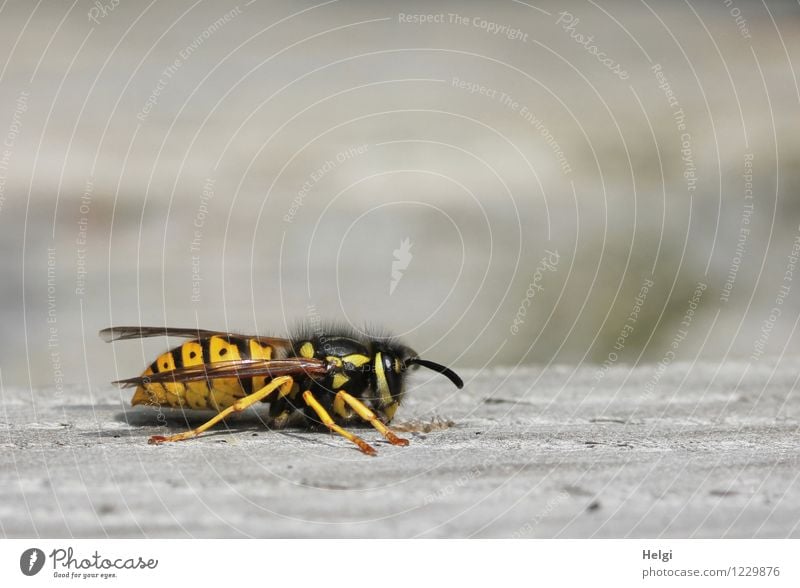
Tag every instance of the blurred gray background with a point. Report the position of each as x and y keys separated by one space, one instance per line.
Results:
x=607 y=183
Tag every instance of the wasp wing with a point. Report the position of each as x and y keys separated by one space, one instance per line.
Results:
x=122 y=333
x=240 y=368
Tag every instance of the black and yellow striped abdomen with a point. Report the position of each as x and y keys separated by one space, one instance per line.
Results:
x=216 y=394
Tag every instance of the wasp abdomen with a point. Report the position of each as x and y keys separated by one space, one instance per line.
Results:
x=216 y=394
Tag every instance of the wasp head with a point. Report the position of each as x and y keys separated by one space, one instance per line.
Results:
x=389 y=367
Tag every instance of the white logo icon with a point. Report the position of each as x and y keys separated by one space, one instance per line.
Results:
x=402 y=257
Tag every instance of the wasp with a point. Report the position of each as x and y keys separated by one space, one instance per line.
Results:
x=313 y=379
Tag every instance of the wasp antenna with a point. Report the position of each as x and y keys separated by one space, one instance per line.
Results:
x=108 y=335
x=445 y=371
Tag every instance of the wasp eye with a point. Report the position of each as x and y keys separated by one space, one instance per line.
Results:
x=388 y=363
x=389 y=379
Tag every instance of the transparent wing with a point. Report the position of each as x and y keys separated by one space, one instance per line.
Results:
x=122 y=333
x=241 y=368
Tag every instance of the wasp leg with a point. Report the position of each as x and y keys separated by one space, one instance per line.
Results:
x=328 y=422
x=365 y=413
x=282 y=382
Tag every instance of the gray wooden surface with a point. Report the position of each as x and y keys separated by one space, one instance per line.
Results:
x=699 y=451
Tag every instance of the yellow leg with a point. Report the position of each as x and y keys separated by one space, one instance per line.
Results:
x=365 y=413
x=283 y=382
x=328 y=422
